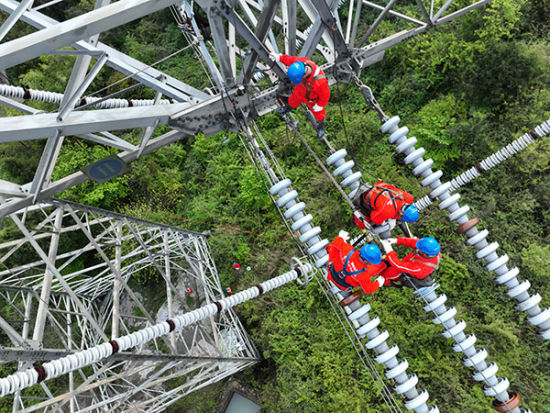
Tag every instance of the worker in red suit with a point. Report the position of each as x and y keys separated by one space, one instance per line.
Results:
x=311 y=87
x=415 y=269
x=349 y=268
x=384 y=203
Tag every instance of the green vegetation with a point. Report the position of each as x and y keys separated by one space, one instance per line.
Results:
x=464 y=89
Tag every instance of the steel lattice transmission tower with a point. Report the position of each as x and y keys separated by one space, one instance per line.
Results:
x=75 y=303
x=243 y=32
x=79 y=289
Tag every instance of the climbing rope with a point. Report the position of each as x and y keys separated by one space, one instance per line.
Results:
x=350 y=180
x=324 y=169
x=217 y=225
x=143 y=69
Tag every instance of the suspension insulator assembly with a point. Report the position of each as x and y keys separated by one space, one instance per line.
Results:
x=465 y=343
x=287 y=199
x=351 y=179
x=294 y=211
x=505 y=276
x=490 y=162
x=19 y=92
x=396 y=369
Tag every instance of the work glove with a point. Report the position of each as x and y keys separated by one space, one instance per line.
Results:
x=274 y=56
x=387 y=245
x=317 y=108
x=344 y=235
x=380 y=280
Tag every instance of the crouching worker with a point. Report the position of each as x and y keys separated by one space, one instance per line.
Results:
x=349 y=268
x=311 y=87
x=384 y=203
x=413 y=271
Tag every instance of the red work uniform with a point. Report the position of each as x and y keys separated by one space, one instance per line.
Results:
x=413 y=264
x=381 y=203
x=312 y=91
x=357 y=273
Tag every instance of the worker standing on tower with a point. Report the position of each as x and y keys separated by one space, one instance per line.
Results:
x=415 y=269
x=384 y=203
x=311 y=87
x=349 y=268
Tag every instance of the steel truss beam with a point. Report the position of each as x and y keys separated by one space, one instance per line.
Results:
x=262 y=27
x=84 y=26
x=210 y=116
x=79 y=123
x=203 y=353
x=246 y=32
x=137 y=70
x=396 y=38
x=207 y=117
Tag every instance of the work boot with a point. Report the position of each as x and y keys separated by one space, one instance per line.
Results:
x=321 y=129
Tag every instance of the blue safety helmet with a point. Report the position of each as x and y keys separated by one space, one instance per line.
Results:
x=371 y=253
x=428 y=246
x=410 y=214
x=296 y=72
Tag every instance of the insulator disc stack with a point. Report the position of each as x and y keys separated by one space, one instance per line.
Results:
x=494 y=386
x=518 y=290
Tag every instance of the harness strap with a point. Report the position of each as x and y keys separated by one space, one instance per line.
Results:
x=392 y=195
x=309 y=85
x=346 y=265
x=429 y=264
x=337 y=277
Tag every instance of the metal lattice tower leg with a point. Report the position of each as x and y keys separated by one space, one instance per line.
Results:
x=79 y=306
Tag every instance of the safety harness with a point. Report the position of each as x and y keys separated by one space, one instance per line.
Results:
x=309 y=85
x=392 y=195
x=429 y=264
x=339 y=277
